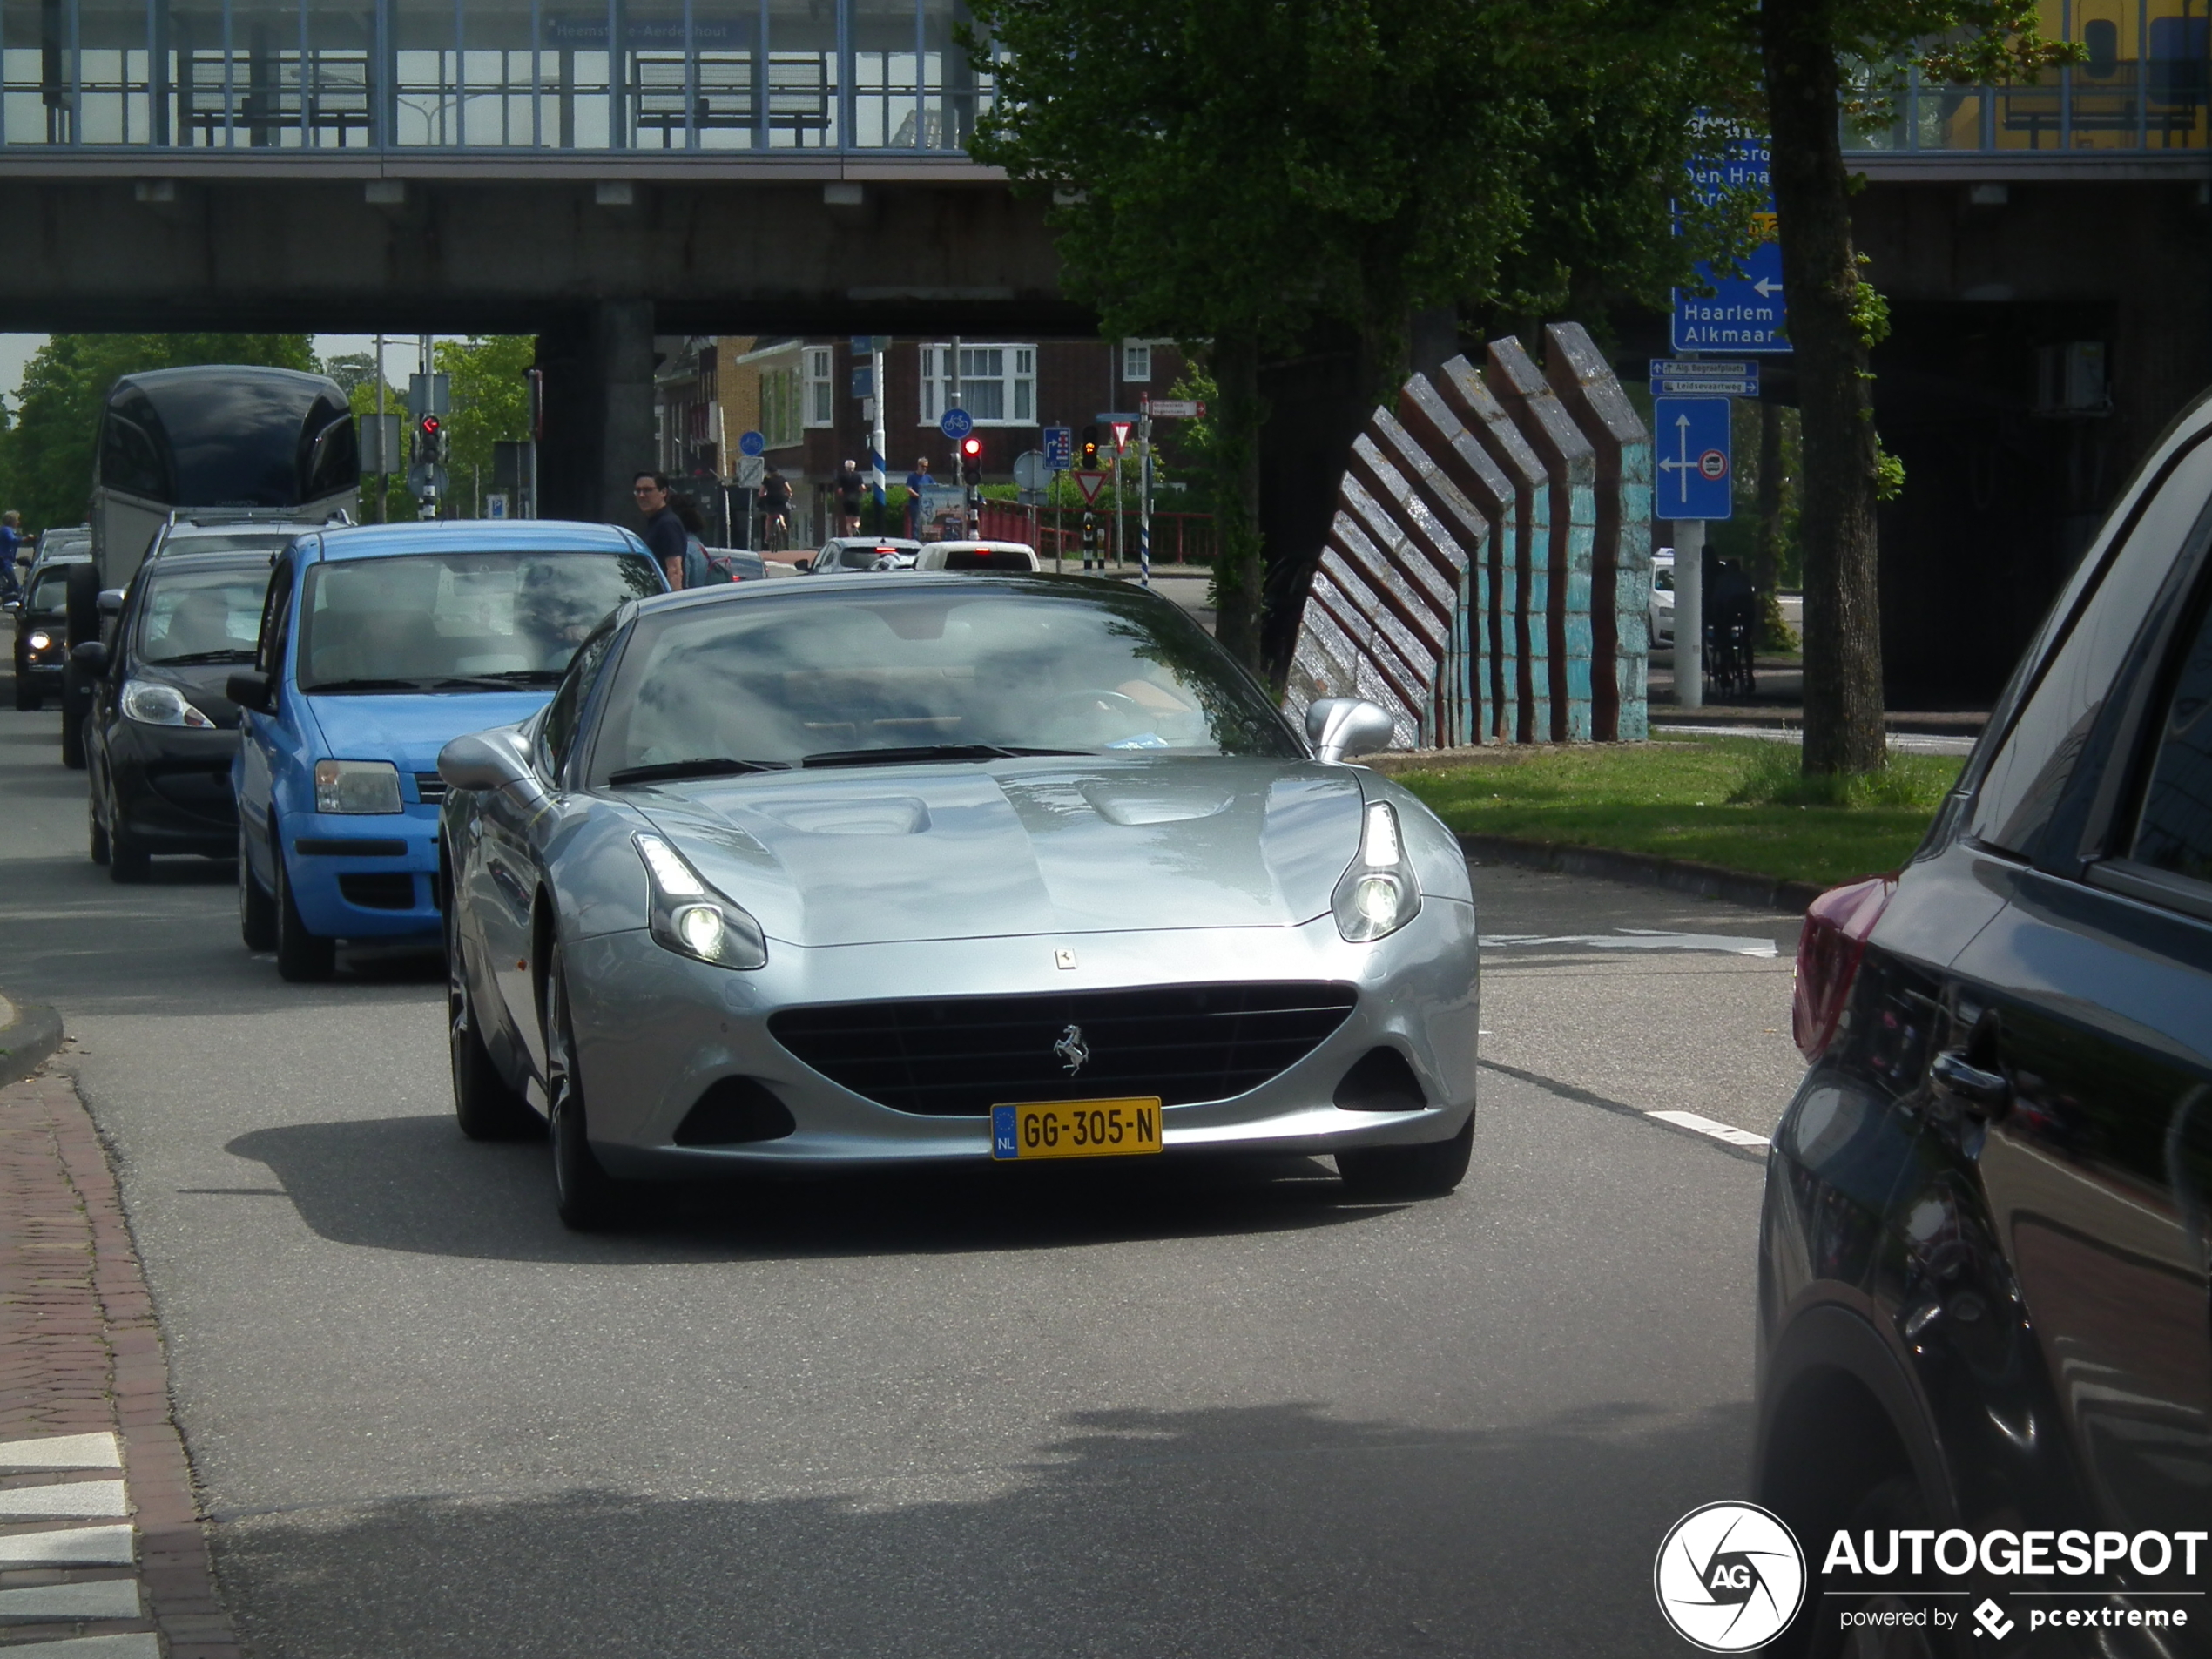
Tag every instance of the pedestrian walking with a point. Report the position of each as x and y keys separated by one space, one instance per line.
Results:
x=775 y=510
x=11 y=544
x=851 y=486
x=663 y=531
x=696 y=572
x=917 y=488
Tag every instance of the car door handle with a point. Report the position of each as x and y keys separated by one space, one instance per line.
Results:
x=1986 y=1092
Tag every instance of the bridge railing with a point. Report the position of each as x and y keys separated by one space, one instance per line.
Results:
x=610 y=75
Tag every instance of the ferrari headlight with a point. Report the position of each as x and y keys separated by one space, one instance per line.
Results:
x=1379 y=894
x=690 y=918
x=151 y=702
x=356 y=786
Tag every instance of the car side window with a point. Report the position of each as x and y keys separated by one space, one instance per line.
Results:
x=2175 y=831
x=2028 y=777
x=557 y=733
x=274 y=613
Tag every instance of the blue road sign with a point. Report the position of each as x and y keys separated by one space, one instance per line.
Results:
x=1691 y=454
x=752 y=443
x=1746 y=313
x=1060 y=448
x=957 y=423
x=1705 y=377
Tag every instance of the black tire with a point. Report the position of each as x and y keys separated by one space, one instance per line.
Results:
x=1896 y=1503
x=27 y=698
x=128 y=862
x=301 y=956
x=257 y=916
x=486 y=1107
x=589 y=1200
x=1428 y=1171
x=96 y=832
x=77 y=704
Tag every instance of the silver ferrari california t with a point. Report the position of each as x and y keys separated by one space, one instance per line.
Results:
x=806 y=876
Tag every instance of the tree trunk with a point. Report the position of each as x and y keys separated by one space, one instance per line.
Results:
x=1843 y=638
x=1766 y=560
x=1237 y=571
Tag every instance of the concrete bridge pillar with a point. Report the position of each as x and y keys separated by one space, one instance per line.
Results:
x=598 y=367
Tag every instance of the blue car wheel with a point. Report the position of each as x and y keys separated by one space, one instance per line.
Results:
x=302 y=957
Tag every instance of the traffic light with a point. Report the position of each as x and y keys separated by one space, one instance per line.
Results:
x=429 y=440
x=971 y=449
x=1091 y=448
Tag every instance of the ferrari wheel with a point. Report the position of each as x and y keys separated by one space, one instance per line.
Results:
x=589 y=1198
x=487 y=1108
x=257 y=921
x=302 y=957
x=1408 y=1172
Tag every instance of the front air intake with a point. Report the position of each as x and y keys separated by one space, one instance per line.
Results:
x=732 y=1111
x=1380 y=1081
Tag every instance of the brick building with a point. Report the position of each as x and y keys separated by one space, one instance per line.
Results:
x=803 y=397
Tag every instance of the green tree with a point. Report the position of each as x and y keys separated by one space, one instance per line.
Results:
x=384 y=499
x=1233 y=173
x=490 y=394
x=48 y=454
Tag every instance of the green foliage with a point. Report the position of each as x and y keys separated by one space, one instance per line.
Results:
x=490 y=402
x=46 y=457
x=1773 y=776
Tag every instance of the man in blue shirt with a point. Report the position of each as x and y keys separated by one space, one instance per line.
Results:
x=663 y=531
x=917 y=481
x=11 y=544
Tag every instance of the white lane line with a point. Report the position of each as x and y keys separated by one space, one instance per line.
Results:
x=141 y=1645
x=78 y=1546
x=1719 y=1131
x=1636 y=939
x=103 y=1598
x=63 y=1452
x=77 y=1498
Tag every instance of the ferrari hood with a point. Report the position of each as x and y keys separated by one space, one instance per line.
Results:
x=868 y=856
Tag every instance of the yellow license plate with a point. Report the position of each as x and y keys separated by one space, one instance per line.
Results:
x=1077 y=1128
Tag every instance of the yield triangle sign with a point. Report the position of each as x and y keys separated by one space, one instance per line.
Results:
x=1121 y=434
x=1088 y=483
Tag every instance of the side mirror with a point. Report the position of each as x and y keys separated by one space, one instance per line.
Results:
x=252 y=690
x=482 y=761
x=1342 y=727
x=111 y=601
x=91 y=655
x=802 y=565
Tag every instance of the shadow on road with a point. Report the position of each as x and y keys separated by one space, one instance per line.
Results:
x=1259 y=1532
x=413 y=1183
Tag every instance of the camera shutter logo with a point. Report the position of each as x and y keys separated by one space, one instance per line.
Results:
x=1730 y=1577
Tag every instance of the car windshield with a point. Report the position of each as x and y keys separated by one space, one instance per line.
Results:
x=50 y=591
x=1031 y=665
x=458 y=620
x=201 y=616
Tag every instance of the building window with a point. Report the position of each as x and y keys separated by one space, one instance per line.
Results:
x=780 y=411
x=997 y=384
x=821 y=396
x=1137 y=360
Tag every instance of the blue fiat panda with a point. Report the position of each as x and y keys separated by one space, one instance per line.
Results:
x=380 y=645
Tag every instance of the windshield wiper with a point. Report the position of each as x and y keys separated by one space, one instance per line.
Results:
x=362 y=685
x=925 y=752
x=230 y=655
x=505 y=680
x=662 y=770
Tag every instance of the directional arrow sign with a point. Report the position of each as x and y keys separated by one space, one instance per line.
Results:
x=1088 y=483
x=1691 y=441
x=1746 y=313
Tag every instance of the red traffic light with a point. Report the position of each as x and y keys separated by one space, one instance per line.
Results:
x=971 y=448
x=432 y=425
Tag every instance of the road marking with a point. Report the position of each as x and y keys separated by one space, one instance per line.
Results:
x=139 y=1645
x=103 y=1598
x=1636 y=939
x=78 y=1546
x=1719 y=1131
x=74 y=1498
x=63 y=1452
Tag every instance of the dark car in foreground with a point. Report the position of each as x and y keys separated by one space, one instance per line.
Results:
x=1983 y=1311
x=163 y=732
x=42 y=627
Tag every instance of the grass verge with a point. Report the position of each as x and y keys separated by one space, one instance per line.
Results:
x=1740 y=803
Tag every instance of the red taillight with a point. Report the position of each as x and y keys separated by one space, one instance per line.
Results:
x=1838 y=925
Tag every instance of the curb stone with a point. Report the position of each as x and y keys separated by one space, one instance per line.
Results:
x=1644 y=869
x=30 y=1032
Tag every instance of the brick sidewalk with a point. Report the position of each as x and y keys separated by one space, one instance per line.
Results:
x=80 y=1355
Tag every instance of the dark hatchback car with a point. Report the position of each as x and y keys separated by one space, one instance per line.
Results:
x=162 y=734
x=1983 y=1286
x=42 y=628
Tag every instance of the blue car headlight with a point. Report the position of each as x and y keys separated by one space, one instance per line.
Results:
x=356 y=786
x=1380 y=893
x=690 y=918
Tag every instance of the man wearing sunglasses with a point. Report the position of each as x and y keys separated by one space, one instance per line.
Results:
x=663 y=531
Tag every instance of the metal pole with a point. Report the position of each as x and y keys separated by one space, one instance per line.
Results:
x=384 y=461
x=1144 y=498
x=876 y=438
x=1120 y=543
x=1690 y=613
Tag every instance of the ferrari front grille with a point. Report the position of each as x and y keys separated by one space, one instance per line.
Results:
x=958 y=1057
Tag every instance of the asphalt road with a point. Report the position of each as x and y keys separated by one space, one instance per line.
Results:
x=1121 y=1414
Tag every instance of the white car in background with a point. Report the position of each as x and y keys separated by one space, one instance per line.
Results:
x=1017 y=556
x=1663 y=598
